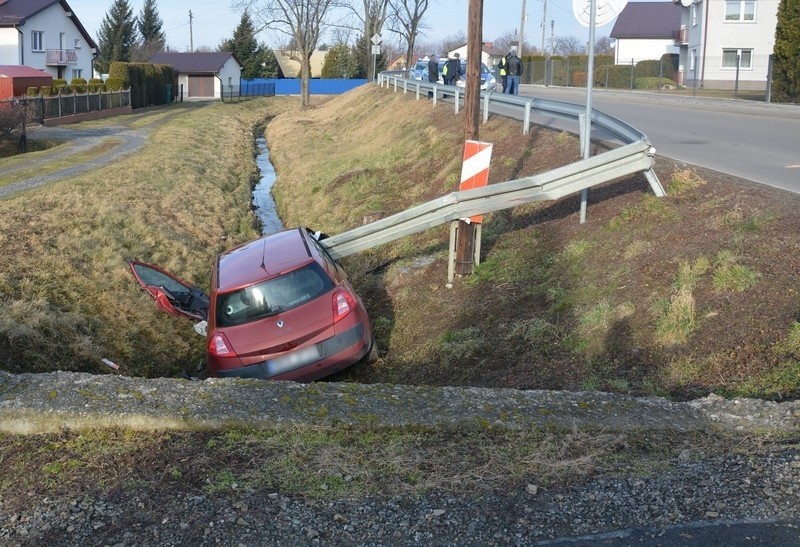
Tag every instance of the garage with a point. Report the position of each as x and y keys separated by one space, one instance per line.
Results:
x=202 y=74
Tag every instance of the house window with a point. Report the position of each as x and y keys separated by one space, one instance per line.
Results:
x=693 y=14
x=77 y=43
x=37 y=40
x=77 y=73
x=740 y=10
x=745 y=57
x=693 y=61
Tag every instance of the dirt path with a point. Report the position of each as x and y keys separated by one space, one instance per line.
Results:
x=130 y=138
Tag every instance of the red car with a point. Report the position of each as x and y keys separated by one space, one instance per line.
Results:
x=280 y=308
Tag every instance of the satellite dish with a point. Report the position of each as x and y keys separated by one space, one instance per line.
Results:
x=686 y=3
x=606 y=11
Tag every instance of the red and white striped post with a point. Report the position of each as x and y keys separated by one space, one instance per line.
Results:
x=465 y=234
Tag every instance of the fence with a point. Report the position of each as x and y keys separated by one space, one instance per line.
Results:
x=38 y=109
x=572 y=72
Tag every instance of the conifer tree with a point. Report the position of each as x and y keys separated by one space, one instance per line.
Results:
x=786 y=54
x=116 y=37
x=150 y=25
x=257 y=60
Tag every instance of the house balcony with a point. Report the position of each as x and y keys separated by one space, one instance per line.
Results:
x=682 y=36
x=61 y=57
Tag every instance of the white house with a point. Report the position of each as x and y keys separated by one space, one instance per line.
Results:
x=645 y=31
x=724 y=40
x=490 y=55
x=47 y=35
x=203 y=74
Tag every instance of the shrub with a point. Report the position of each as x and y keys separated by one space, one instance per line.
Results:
x=59 y=83
x=653 y=82
x=46 y=90
x=95 y=85
x=79 y=85
x=32 y=91
x=114 y=84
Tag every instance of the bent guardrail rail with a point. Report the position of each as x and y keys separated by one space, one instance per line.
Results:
x=634 y=156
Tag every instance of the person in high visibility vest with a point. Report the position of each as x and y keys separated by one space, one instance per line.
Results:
x=503 y=66
x=451 y=72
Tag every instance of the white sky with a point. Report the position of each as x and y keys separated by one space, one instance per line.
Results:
x=214 y=20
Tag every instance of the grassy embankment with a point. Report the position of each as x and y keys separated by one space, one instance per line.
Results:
x=67 y=295
x=679 y=296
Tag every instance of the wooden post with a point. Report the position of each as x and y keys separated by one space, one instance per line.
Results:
x=465 y=241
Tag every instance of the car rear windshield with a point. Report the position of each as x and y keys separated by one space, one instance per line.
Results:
x=271 y=297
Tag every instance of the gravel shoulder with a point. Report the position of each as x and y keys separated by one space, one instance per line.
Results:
x=726 y=485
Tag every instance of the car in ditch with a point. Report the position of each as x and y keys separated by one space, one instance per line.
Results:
x=280 y=308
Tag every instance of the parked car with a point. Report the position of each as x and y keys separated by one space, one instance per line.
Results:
x=280 y=308
x=416 y=72
x=488 y=81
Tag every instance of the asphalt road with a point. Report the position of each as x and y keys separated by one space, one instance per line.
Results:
x=747 y=139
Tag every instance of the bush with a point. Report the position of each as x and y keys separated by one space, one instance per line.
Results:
x=46 y=90
x=79 y=85
x=32 y=91
x=58 y=85
x=653 y=82
x=95 y=85
x=114 y=84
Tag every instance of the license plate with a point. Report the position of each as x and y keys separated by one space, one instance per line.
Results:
x=293 y=360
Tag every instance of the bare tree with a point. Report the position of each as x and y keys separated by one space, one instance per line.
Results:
x=568 y=45
x=452 y=42
x=508 y=39
x=302 y=21
x=603 y=46
x=405 y=19
x=371 y=16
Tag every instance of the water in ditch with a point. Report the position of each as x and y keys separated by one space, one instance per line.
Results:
x=263 y=204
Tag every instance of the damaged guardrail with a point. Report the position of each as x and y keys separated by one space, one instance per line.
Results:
x=552 y=185
x=635 y=156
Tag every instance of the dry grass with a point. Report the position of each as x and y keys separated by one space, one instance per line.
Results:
x=66 y=290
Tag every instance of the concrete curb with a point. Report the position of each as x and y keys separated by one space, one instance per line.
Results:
x=52 y=402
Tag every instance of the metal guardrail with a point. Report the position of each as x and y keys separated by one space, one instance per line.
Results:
x=634 y=156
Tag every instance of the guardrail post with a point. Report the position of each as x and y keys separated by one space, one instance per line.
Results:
x=655 y=184
x=451 y=255
x=417 y=91
x=457 y=99
x=405 y=87
x=526 y=125
x=435 y=94
x=486 y=107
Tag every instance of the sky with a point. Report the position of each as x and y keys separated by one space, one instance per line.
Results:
x=214 y=20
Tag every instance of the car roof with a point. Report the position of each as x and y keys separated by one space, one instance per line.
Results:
x=263 y=258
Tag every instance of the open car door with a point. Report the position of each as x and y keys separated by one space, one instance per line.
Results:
x=172 y=295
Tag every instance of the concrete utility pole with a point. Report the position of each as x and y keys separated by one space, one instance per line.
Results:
x=544 y=26
x=191 y=40
x=521 y=30
x=465 y=239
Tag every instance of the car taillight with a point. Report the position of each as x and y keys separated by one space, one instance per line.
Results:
x=219 y=346
x=343 y=303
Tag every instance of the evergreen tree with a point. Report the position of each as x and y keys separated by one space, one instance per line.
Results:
x=786 y=55
x=339 y=62
x=364 y=58
x=257 y=60
x=149 y=24
x=117 y=36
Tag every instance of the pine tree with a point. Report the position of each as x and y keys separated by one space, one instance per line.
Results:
x=364 y=58
x=149 y=24
x=786 y=54
x=116 y=37
x=257 y=60
x=339 y=62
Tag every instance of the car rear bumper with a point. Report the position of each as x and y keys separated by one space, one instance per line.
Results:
x=329 y=356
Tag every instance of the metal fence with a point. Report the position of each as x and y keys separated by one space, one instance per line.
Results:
x=38 y=109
